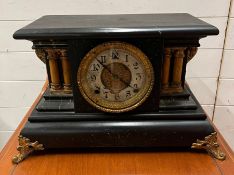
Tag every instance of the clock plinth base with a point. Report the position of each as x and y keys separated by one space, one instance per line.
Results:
x=114 y=134
x=166 y=128
x=179 y=124
x=86 y=140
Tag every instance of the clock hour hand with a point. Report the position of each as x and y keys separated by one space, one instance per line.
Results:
x=105 y=67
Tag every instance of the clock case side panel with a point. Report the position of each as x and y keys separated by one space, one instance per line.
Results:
x=152 y=47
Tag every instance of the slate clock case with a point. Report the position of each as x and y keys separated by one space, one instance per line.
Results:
x=169 y=116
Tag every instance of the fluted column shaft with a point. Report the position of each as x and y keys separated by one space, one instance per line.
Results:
x=66 y=68
x=177 y=68
x=166 y=68
x=54 y=69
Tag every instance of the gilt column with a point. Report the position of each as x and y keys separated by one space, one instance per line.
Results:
x=66 y=67
x=177 y=69
x=166 y=68
x=54 y=69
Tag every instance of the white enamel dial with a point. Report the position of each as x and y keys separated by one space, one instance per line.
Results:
x=115 y=77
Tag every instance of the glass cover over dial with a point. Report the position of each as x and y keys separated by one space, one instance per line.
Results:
x=115 y=77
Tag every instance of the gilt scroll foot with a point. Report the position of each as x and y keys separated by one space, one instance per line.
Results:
x=211 y=146
x=25 y=148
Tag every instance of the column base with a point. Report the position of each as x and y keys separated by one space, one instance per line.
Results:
x=172 y=90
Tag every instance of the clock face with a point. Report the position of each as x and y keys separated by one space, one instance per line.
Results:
x=115 y=77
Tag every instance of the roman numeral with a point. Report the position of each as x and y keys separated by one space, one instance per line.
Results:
x=95 y=67
x=126 y=58
x=103 y=59
x=115 y=54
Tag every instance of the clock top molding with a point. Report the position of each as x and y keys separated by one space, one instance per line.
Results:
x=178 y=25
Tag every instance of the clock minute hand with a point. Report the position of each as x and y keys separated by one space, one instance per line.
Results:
x=105 y=67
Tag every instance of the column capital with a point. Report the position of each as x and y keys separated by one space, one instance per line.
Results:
x=62 y=53
x=41 y=54
x=179 y=52
x=52 y=53
x=191 y=52
x=167 y=51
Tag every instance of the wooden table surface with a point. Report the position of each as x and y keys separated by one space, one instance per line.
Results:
x=106 y=163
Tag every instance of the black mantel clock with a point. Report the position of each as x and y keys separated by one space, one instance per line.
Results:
x=117 y=81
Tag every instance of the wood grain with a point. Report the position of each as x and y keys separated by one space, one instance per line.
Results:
x=105 y=163
x=118 y=163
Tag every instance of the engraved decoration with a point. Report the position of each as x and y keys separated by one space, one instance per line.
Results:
x=41 y=54
x=210 y=145
x=25 y=148
x=191 y=53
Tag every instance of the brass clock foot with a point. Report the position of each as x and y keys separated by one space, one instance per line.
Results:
x=25 y=148
x=210 y=145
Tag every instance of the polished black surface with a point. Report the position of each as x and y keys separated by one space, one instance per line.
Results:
x=54 y=108
x=112 y=134
x=146 y=25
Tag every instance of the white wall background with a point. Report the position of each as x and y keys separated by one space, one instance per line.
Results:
x=210 y=74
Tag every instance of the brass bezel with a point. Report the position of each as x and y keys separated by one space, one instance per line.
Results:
x=115 y=107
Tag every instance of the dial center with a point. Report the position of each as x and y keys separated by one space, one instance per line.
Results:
x=116 y=77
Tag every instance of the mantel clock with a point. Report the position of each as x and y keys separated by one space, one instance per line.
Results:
x=117 y=81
